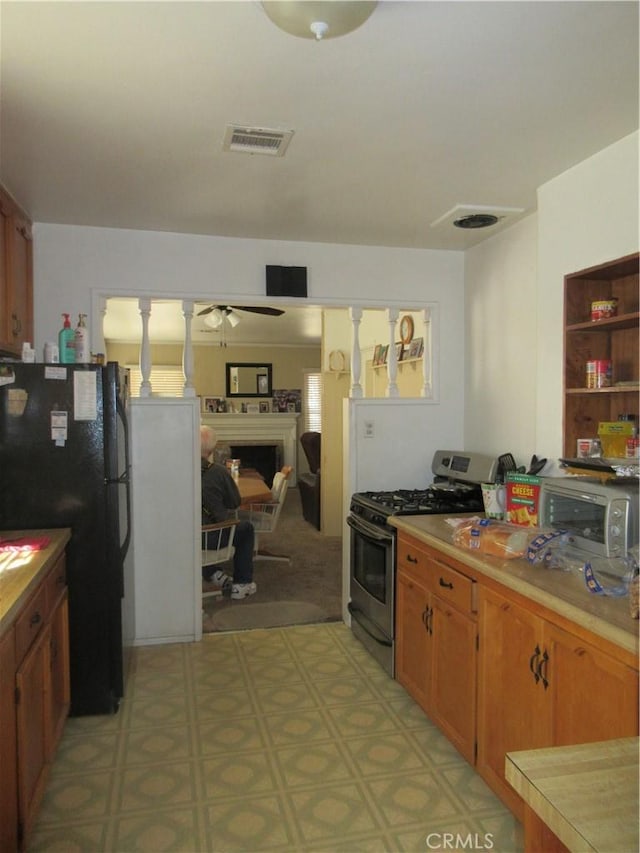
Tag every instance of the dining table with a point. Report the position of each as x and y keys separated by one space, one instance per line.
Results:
x=253 y=489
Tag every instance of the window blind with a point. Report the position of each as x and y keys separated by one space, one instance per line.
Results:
x=167 y=380
x=313 y=402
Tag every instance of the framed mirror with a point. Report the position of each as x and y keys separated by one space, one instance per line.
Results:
x=248 y=380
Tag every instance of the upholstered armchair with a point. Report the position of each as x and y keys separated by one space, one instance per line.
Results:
x=309 y=484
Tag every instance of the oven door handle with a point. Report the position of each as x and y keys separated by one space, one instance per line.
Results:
x=368 y=625
x=369 y=530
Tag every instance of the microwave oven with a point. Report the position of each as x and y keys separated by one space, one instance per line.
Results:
x=600 y=518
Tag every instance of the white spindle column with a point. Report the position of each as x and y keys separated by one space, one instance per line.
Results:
x=356 y=391
x=144 y=306
x=392 y=357
x=426 y=354
x=188 y=389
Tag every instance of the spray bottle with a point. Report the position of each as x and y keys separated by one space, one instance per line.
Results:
x=66 y=342
x=83 y=354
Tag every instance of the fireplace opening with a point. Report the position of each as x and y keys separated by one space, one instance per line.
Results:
x=265 y=458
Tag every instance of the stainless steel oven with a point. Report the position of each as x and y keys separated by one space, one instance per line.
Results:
x=455 y=489
x=372 y=586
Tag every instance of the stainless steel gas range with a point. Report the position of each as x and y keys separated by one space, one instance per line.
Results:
x=455 y=489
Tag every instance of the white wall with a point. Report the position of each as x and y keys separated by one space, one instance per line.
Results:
x=500 y=327
x=514 y=301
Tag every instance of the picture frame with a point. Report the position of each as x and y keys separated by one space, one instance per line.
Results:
x=384 y=354
x=377 y=355
x=253 y=409
x=399 y=350
x=214 y=405
x=265 y=407
x=416 y=348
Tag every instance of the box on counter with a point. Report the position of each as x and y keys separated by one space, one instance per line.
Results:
x=522 y=499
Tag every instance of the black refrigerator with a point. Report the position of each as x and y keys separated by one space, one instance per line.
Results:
x=64 y=462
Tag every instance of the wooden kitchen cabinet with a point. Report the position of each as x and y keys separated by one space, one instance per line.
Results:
x=34 y=702
x=615 y=338
x=539 y=685
x=436 y=641
x=16 y=277
x=9 y=785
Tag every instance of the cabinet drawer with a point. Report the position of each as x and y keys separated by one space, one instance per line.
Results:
x=411 y=558
x=30 y=622
x=452 y=586
x=55 y=583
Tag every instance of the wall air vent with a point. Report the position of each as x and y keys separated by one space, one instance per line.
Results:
x=256 y=140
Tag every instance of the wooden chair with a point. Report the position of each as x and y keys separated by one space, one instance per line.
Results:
x=217 y=547
x=264 y=516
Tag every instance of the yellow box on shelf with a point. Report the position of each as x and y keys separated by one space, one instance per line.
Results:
x=613 y=437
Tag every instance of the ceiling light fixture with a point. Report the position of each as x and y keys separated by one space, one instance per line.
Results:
x=318 y=20
x=215 y=319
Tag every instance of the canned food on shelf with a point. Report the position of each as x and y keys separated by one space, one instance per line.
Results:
x=603 y=309
x=599 y=373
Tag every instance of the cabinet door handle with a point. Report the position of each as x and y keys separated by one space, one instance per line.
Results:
x=445 y=584
x=542 y=669
x=430 y=621
x=36 y=618
x=533 y=664
x=425 y=617
x=411 y=559
x=16 y=325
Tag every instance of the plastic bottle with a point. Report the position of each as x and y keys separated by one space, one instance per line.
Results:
x=66 y=342
x=83 y=353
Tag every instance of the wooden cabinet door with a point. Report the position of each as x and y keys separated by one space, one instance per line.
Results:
x=20 y=283
x=453 y=668
x=593 y=696
x=412 y=638
x=4 y=282
x=8 y=783
x=59 y=686
x=512 y=713
x=32 y=713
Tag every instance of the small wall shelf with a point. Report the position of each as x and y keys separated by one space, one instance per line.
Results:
x=614 y=339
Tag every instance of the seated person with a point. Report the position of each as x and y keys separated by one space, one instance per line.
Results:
x=220 y=497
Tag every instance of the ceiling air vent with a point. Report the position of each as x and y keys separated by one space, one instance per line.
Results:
x=256 y=140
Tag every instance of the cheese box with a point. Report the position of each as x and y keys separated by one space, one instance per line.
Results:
x=522 y=499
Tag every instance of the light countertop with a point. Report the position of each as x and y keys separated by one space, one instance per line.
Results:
x=564 y=593
x=587 y=795
x=20 y=573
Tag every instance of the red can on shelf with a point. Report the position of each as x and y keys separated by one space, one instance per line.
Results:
x=599 y=373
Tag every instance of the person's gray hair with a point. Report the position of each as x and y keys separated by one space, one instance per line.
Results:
x=208 y=440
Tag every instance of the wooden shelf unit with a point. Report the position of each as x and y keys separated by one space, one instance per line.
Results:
x=615 y=338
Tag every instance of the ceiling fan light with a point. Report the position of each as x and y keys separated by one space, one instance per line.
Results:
x=232 y=317
x=214 y=319
x=318 y=20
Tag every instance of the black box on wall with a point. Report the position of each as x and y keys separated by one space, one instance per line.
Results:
x=286 y=281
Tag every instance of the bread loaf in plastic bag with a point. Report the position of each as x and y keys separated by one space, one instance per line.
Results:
x=488 y=536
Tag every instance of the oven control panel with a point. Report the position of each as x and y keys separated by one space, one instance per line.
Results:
x=465 y=467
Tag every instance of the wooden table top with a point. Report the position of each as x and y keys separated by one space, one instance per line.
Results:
x=586 y=794
x=253 y=489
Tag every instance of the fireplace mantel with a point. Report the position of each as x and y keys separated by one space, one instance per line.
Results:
x=259 y=429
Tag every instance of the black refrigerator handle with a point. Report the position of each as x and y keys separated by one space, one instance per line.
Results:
x=125 y=478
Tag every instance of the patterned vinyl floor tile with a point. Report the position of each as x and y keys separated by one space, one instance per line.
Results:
x=287 y=740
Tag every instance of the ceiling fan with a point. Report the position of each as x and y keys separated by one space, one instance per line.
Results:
x=227 y=309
